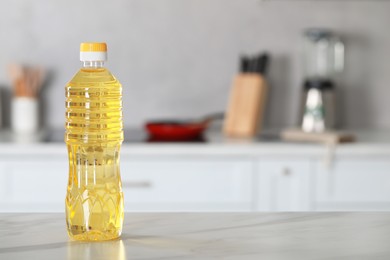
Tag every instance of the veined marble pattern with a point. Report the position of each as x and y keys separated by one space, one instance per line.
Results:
x=205 y=236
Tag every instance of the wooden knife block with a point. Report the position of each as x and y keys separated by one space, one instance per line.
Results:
x=244 y=115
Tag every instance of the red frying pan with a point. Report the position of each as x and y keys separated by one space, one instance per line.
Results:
x=179 y=130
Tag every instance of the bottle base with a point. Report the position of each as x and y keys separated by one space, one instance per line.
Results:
x=93 y=235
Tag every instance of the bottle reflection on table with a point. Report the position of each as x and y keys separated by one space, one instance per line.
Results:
x=113 y=250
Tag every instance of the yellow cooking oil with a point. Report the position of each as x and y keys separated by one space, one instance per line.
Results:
x=94 y=200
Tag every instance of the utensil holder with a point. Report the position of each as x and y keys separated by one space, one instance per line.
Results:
x=24 y=115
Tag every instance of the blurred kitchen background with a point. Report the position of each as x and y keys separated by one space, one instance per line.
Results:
x=172 y=55
x=177 y=59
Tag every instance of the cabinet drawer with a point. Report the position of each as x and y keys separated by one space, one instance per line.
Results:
x=182 y=185
x=34 y=186
x=354 y=181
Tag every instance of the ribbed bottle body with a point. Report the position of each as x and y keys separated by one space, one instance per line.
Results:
x=94 y=133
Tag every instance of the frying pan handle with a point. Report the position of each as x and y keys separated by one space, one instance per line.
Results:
x=215 y=116
x=210 y=117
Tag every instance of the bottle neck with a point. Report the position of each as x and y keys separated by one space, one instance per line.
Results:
x=93 y=64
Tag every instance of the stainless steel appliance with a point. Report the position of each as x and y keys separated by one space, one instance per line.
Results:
x=323 y=61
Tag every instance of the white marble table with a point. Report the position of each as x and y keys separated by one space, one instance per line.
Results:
x=205 y=236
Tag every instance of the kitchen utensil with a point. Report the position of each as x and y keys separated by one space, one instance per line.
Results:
x=179 y=130
x=27 y=82
x=245 y=110
x=324 y=60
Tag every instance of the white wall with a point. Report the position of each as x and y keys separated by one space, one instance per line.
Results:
x=177 y=57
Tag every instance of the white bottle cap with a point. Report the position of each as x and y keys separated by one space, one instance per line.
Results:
x=93 y=51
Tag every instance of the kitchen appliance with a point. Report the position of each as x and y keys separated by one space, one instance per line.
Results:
x=179 y=130
x=323 y=61
x=244 y=114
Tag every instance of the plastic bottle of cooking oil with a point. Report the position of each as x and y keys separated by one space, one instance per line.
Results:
x=94 y=200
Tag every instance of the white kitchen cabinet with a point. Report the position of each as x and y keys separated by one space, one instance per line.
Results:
x=223 y=175
x=356 y=183
x=187 y=185
x=3 y=184
x=284 y=185
x=149 y=184
x=33 y=186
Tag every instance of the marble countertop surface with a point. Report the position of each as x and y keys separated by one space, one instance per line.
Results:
x=205 y=236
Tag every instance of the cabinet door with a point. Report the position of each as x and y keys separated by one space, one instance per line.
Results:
x=284 y=185
x=3 y=184
x=354 y=184
x=187 y=185
x=33 y=186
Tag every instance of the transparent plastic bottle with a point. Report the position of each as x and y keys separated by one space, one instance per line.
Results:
x=94 y=134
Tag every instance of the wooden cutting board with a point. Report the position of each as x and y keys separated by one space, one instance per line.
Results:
x=295 y=134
